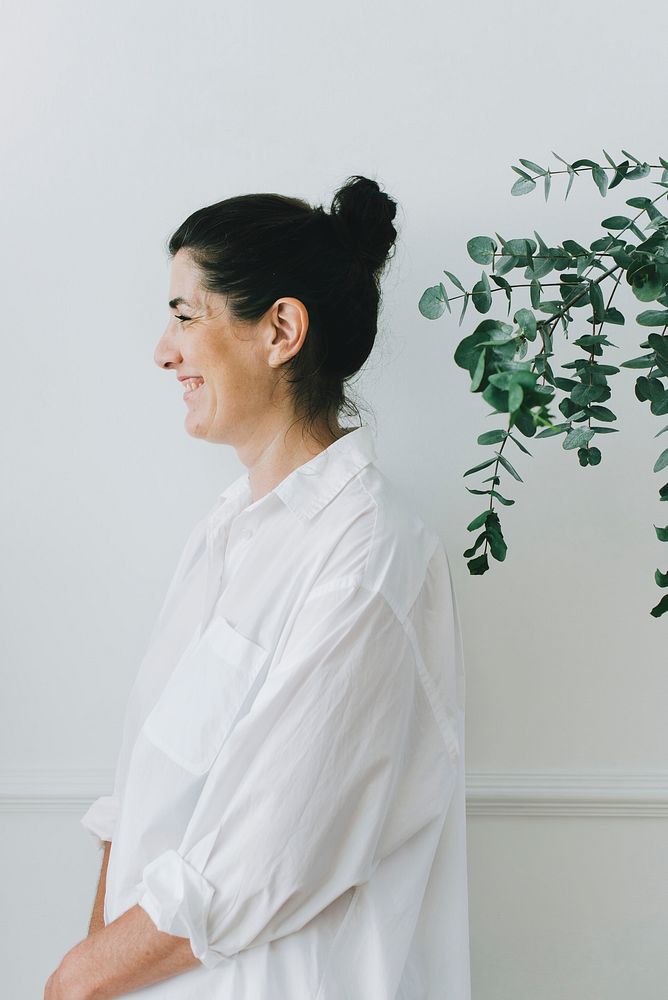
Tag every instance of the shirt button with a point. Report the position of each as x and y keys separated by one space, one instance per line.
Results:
x=246 y=534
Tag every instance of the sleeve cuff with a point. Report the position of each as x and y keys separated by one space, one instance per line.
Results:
x=100 y=818
x=177 y=898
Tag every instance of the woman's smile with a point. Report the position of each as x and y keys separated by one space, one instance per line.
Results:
x=192 y=385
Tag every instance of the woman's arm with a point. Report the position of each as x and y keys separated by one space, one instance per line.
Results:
x=97 y=916
x=125 y=955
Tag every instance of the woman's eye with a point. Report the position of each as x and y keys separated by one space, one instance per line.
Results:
x=182 y=318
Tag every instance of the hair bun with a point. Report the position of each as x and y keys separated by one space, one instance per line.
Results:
x=363 y=216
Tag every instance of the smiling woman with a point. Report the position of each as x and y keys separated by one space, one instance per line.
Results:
x=288 y=811
x=278 y=305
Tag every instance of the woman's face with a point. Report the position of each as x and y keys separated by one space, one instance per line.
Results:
x=234 y=366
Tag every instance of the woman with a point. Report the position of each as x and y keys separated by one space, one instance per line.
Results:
x=288 y=815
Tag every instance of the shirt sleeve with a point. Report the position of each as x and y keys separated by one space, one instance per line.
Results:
x=294 y=810
x=100 y=818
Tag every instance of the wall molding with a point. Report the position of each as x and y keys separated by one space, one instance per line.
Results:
x=567 y=793
x=488 y=793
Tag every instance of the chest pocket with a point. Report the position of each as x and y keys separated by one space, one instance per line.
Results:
x=210 y=688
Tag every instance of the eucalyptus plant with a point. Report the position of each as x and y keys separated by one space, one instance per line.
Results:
x=633 y=249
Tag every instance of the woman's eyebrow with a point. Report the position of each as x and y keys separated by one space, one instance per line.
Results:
x=174 y=303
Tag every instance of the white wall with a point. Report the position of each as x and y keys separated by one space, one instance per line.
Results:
x=118 y=120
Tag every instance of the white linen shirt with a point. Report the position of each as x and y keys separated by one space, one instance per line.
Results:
x=289 y=790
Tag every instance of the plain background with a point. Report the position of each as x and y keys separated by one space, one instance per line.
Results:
x=118 y=121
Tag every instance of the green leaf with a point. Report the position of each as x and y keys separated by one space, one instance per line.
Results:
x=526 y=321
x=661 y=533
x=534 y=292
x=515 y=397
x=503 y=500
x=596 y=299
x=480 y=519
x=479 y=372
x=492 y=437
x=589 y=339
x=601 y=412
x=478 y=566
x=659 y=344
x=653 y=317
x=583 y=394
x=571 y=177
x=600 y=179
x=520 y=248
x=481 y=249
x=482 y=295
x=433 y=302
x=505 y=263
x=614 y=316
x=620 y=173
x=660 y=406
x=488 y=331
x=552 y=431
x=647 y=280
x=519 y=444
x=574 y=248
x=532 y=166
x=445 y=295
x=547 y=184
x=616 y=222
x=645 y=361
x=523 y=185
x=478 y=542
x=660 y=608
x=502 y=283
x=477 y=468
x=642 y=170
x=497 y=544
x=455 y=281
x=577 y=438
x=466 y=302
x=506 y=464
x=662 y=461
x=661 y=579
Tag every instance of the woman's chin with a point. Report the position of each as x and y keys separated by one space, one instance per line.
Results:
x=194 y=426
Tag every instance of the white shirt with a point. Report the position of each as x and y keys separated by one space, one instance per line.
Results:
x=289 y=791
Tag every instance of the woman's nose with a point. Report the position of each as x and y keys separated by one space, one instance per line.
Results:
x=166 y=354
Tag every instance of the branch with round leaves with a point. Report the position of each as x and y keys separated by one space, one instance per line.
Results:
x=634 y=248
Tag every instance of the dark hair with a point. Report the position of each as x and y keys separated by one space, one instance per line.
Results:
x=255 y=248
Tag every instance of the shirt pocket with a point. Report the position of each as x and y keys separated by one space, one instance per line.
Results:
x=209 y=690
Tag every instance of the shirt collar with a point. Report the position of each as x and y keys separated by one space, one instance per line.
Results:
x=311 y=486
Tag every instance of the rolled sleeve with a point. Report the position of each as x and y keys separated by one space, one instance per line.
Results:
x=100 y=818
x=293 y=812
x=177 y=898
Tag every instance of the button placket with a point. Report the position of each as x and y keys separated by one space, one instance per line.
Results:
x=217 y=533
